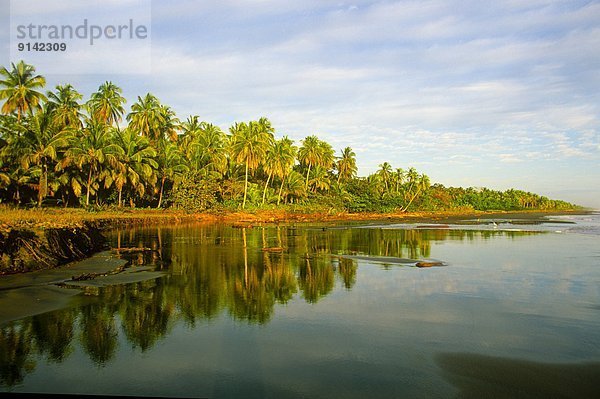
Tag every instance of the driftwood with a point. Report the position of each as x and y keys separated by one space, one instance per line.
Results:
x=135 y=249
x=273 y=249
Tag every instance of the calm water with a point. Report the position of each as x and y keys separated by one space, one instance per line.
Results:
x=515 y=312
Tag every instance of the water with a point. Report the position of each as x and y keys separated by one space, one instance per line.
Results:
x=329 y=311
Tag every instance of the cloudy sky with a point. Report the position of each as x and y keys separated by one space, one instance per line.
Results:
x=498 y=94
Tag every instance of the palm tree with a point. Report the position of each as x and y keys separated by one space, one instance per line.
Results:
x=68 y=182
x=280 y=158
x=136 y=165
x=385 y=172
x=412 y=177
x=92 y=149
x=64 y=106
x=346 y=165
x=12 y=151
x=43 y=139
x=171 y=165
x=399 y=177
x=309 y=154
x=209 y=148
x=421 y=184
x=106 y=105
x=286 y=160
x=249 y=143
x=327 y=158
x=319 y=178
x=20 y=89
x=294 y=186
x=146 y=117
x=169 y=125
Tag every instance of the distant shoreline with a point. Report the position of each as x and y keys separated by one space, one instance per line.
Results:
x=34 y=239
x=45 y=218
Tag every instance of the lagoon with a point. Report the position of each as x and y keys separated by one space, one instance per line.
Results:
x=325 y=310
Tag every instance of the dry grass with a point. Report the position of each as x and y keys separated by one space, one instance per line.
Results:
x=34 y=219
x=12 y=218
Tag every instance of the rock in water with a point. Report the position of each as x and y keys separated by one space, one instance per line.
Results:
x=429 y=263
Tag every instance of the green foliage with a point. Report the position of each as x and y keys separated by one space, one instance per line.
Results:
x=195 y=193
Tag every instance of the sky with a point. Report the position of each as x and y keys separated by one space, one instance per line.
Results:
x=498 y=94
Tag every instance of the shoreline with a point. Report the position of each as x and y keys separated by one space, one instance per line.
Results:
x=54 y=218
x=35 y=239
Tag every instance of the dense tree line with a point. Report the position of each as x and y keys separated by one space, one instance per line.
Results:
x=56 y=148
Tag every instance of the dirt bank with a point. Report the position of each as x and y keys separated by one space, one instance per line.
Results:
x=23 y=250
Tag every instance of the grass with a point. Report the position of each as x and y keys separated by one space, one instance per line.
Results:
x=39 y=219
x=36 y=218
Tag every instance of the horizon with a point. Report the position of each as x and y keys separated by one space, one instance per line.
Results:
x=501 y=96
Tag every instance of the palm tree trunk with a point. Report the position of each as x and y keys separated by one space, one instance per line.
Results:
x=411 y=200
x=409 y=190
x=162 y=186
x=280 y=189
x=89 y=184
x=265 y=190
x=42 y=185
x=307 y=173
x=120 y=192
x=245 y=186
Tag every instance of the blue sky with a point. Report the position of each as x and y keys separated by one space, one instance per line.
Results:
x=498 y=94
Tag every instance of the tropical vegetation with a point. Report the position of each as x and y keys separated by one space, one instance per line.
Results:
x=56 y=149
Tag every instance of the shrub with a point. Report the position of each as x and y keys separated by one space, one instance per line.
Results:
x=195 y=193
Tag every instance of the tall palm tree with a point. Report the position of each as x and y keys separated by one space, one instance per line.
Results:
x=421 y=184
x=146 y=117
x=309 y=154
x=280 y=158
x=412 y=177
x=65 y=107
x=169 y=125
x=106 y=104
x=399 y=177
x=249 y=143
x=190 y=129
x=269 y=167
x=43 y=139
x=91 y=150
x=286 y=159
x=19 y=87
x=171 y=165
x=209 y=148
x=346 y=165
x=136 y=165
x=385 y=172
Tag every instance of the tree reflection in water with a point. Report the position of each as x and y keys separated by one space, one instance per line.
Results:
x=213 y=270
